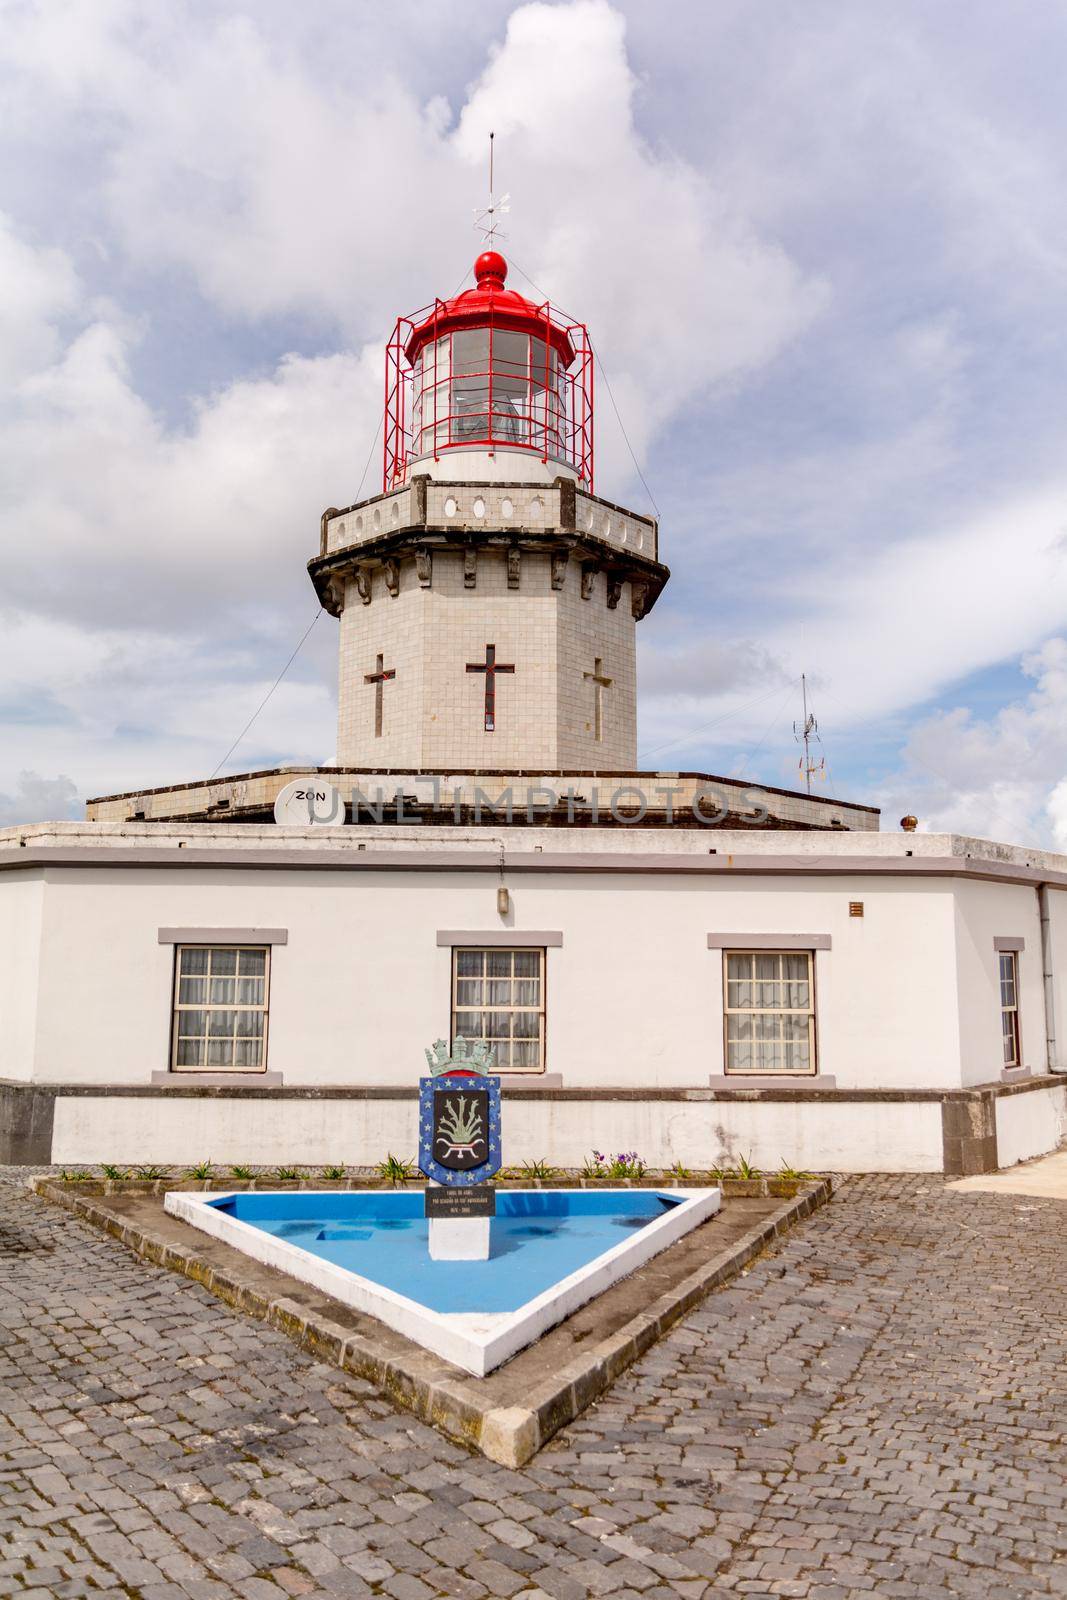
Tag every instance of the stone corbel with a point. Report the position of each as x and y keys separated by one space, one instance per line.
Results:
x=361 y=577
x=470 y=568
x=333 y=597
x=392 y=576
x=514 y=560
x=424 y=568
x=638 y=598
x=614 y=592
x=589 y=572
x=559 y=567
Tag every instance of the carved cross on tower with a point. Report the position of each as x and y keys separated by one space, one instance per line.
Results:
x=491 y=666
x=602 y=683
x=379 y=677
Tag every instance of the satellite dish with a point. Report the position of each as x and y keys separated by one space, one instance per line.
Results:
x=308 y=802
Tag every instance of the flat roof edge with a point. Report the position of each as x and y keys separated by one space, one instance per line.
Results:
x=179 y=857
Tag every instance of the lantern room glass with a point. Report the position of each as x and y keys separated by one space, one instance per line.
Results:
x=489 y=386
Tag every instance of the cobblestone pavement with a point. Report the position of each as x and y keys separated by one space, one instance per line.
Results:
x=875 y=1409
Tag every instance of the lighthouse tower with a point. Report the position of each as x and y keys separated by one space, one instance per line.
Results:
x=487 y=598
x=487 y=602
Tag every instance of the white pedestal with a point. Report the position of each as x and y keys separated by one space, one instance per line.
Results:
x=459 y=1238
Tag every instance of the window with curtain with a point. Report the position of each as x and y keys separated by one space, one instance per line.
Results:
x=499 y=996
x=220 y=1009
x=1009 y=1007
x=770 y=1011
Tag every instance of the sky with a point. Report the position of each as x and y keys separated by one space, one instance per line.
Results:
x=822 y=251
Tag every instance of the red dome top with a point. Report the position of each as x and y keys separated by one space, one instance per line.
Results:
x=490 y=303
x=490 y=267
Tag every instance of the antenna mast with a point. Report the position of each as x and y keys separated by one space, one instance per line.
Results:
x=485 y=219
x=804 y=734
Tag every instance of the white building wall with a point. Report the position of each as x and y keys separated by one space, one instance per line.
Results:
x=21 y=906
x=634 y=996
x=1057 y=905
x=985 y=912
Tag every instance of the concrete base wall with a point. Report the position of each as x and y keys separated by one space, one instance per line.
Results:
x=957 y=1132
x=1030 y=1124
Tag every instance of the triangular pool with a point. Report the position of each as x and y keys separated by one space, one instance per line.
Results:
x=551 y=1251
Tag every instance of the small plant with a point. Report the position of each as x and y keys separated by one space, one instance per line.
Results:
x=203 y=1169
x=151 y=1172
x=240 y=1172
x=334 y=1172
x=79 y=1175
x=533 y=1172
x=683 y=1174
x=745 y=1169
x=785 y=1171
x=539 y=1170
x=395 y=1170
x=110 y=1171
x=627 y=1164
x=288 y=1174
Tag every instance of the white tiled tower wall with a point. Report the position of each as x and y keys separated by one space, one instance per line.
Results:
x=433 y=710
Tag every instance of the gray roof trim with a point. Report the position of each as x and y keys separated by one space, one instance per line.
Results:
x=608 y=863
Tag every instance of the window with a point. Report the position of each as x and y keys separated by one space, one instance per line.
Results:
x=481 y=385
x=770 y=1011
x=1009 y=1007
x=220 y=1009
x=499 y=996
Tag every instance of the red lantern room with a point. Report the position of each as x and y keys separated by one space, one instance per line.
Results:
x=488 y=374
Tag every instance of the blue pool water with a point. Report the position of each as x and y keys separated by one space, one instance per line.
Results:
x=537 y=1238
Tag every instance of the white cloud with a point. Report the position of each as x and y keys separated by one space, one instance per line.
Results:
x=138 y=544
x=1056 y=808
x=37 y=799
x=681 y=292
x=907 y=620
x=132 y=708
x=835 y=197
x=136 y=523
x=39 y=287
x=1004 y=775
x=282 y=191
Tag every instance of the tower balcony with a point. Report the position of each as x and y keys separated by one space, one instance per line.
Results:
x=436 y=511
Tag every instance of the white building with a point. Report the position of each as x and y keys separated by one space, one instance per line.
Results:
x=665 y=962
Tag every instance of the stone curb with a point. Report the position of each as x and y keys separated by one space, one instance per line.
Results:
x=509 y=1435
x=767 y=1184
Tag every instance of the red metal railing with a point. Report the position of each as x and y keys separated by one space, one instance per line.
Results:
x=546 y=408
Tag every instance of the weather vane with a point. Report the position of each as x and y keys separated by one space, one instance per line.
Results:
x=485 y=219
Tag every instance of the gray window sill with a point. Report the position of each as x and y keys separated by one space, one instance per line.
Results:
x=1014 y=1074
x=779 y=1080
